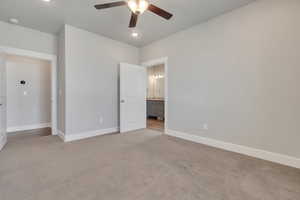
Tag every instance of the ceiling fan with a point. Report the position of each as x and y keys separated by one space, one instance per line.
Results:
x=137 y=8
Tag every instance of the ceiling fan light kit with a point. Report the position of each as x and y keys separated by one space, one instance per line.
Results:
x=137 y=7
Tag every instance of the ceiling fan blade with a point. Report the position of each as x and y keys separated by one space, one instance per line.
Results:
x=160 y=12
x=133 y=20
x=110 y=5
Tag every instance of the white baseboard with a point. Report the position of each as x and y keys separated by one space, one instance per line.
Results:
x=61 y=134
x=261 y=154
x=80 y=136
x=28 y=127
x=54 y=131
x=3 y=140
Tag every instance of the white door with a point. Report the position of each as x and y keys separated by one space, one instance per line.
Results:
x=133 y=83
x=3 y=137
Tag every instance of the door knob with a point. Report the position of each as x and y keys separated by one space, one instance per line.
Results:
x=122 y=101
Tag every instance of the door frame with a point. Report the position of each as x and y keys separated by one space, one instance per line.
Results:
x=53 y=62
x=163 y=60
x=3 y=138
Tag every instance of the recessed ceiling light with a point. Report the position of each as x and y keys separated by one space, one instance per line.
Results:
x=13 y=20
x=135 y=34
x=47 y=0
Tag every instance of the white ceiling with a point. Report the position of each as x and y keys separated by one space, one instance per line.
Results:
x=113 y=23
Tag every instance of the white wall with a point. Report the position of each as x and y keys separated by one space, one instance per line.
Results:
x=91 y=80
x=34 y=107
x=238 y=73
x=25 y=38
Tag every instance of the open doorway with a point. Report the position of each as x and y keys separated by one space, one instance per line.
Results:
x=156 y=97
x=134 y=96
x=157 y=94
x=28 y=93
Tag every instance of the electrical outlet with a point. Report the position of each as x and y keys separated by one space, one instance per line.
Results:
x=205 y=127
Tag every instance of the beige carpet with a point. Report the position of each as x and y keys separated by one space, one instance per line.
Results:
x=143 y=165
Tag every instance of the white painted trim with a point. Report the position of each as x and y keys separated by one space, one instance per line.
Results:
x=53 y=60
x=89 y=134
x=3 y=136
x=164 y=61
x=54 y=96
x=28 y=53
x=257 y=153
x=61 y=135
x=3 y=140
x=28 y=127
